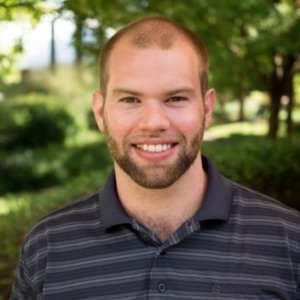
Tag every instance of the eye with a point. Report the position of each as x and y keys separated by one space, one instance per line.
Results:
x=129 y=100
x=176 y=99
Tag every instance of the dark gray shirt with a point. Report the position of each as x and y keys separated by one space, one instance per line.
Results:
x=240 y=245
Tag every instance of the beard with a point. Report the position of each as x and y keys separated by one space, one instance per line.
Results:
x=156 y=175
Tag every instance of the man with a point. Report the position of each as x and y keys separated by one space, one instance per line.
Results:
x=166 y=225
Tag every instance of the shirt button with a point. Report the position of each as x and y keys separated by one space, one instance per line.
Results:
x=162 y=287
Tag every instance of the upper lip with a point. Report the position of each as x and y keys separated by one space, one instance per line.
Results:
x=154 y=141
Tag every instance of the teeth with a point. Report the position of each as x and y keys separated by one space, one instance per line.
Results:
x=154 y=148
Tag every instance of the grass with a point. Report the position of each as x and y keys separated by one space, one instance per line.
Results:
x=258 y=128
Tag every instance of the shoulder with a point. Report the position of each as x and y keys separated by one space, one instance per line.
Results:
x=57 y=235
x=81 y=213
x=82 y=206
x=267 y=223
x=251 y=203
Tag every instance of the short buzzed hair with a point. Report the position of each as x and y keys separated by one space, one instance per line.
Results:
x=154 y=32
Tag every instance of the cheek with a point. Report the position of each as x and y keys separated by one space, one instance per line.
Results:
x=118 y=125
x=191 y=121
x=189 y=128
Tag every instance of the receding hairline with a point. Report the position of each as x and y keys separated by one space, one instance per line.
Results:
x=151 y=32
x=148 y=32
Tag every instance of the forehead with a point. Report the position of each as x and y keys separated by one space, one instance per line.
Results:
x=153 y=68
x=125 y=52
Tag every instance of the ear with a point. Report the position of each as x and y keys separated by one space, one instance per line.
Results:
x=209 y=104
x=98 y=106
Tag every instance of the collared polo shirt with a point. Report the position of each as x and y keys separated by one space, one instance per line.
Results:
x=240 y=245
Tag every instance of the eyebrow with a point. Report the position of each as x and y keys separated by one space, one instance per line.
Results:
x=185 y=90
x=176 y=91
x=119 y=91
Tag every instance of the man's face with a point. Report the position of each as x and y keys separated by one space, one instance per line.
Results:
x=153 y=114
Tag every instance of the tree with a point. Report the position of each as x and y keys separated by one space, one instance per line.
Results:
x=252 y=44
x=11 y=10
x=93 y=20
x=277 y=49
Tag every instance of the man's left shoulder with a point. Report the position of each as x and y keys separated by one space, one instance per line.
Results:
x=255 y=203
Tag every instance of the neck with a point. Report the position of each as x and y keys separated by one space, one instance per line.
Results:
x=163 y=210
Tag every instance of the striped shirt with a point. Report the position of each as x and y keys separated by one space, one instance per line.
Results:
x=240 y=245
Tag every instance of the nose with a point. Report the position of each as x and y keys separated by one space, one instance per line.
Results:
x=154 y=117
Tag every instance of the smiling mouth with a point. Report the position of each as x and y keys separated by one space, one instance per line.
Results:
x=154 y=148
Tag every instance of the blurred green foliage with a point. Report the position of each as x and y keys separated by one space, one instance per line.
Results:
x=270 y=167
x=34 y=169
x=34 y=120
x=29 y=122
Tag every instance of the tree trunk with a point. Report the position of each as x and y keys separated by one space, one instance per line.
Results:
x=275 y=106
x=242 y=108
x=52 y=47
x=290 y=106
x=278 y=86
x=78 y=37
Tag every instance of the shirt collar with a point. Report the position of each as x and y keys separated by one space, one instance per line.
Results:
x=216 y=203
x=218 y=196
x=111 y=211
